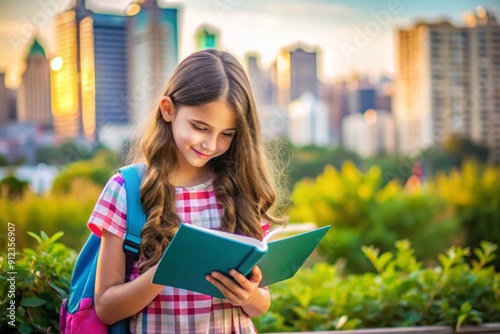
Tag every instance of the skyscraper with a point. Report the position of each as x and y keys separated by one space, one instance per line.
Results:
x=335 y=97
x=370 y=133
x=111 y=64
x=153 y=49
x=308 y=121
x=256 y=77
x=296 y=73
x=4 y=100
x=445 y=83
x=207 y=37
x=33 y=99
x=282 y=77
x=385 y=91
x=70 y=75
x=110 y=68
x=303 y=76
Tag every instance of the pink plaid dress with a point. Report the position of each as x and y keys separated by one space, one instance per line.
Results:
x=174 y=310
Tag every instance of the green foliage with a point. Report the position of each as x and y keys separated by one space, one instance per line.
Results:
x=67 y=153
x=402 y=293
x=460 y=149
x=393 y=167
x=3 y=160
x=66 y=208
x=12 y=187
x=474 y=196
x=97 y=170
x=51 y=212
x=309 y=161
x=41 y=282
x=361 y=211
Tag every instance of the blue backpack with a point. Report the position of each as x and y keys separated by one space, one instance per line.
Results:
x=78 y=313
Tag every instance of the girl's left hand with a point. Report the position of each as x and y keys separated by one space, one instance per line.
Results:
x=241 y=292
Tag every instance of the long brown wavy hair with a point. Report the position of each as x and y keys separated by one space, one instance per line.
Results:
x=243 y=183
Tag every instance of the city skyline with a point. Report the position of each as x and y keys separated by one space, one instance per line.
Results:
x=360 y=39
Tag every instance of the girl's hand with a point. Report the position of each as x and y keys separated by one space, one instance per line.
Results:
x=240 y=293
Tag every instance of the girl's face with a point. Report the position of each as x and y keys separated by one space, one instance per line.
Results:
x=202 y=133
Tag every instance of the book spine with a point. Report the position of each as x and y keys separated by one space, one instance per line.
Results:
x=245 y=267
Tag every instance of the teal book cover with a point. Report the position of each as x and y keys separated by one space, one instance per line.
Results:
x=195 y=252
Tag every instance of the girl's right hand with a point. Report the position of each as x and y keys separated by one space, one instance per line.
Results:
x=243 y=292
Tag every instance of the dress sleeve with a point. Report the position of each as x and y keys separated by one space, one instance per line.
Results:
x=110 y=211
x=266 y=227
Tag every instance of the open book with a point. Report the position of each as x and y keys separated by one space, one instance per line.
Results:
x=196 y=251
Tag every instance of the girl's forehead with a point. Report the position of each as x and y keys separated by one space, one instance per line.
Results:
x=216 y=114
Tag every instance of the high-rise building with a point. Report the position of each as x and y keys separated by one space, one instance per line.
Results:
x=33 y=97
x=370 y=133
x=335 y=97
x=361 y=94
x=445 y=83
x=281 y=77
x=207 y=37
x=91 y=83
x=296 y=73
x=111 y=64
x=4 y=100
x=385 y=91
x=256 y=77
x=366 y=98
x=153 y=49
x=72 y=75
x=110 y=68
x=12 y=96
x=308 y=121
x=303 y=76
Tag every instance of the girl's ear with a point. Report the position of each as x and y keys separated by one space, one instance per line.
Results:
x=167 y=108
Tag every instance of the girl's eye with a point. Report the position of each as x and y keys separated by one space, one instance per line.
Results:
x=229 y=135
x=198 y=128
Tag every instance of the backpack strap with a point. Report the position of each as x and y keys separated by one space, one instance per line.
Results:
x=136 y=217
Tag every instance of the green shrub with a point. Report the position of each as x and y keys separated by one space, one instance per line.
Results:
x=401 y=293
x=361 y=211
x=66 y=208
x=41 y=282
x=474 y=196
x=310 y=161
x=12 y=187
x=97 y=171
x=68 y=152
x=51 y=212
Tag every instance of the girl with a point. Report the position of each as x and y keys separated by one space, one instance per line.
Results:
x=205 y=166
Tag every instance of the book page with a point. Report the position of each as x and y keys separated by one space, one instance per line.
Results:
x=261 y=245
x=272 y=233
x=237 y=237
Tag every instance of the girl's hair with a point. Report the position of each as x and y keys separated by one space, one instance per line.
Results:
x=243 y=182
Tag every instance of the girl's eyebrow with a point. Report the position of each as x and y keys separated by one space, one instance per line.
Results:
x=209 y=126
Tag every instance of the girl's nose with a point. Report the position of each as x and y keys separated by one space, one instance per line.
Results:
x=210 y=143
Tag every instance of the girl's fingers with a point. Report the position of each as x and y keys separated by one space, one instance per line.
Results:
x=222 y=282
x=242 y=280
x=257 y=275
x=229 y=290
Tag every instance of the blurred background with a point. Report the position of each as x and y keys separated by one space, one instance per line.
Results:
x=389 y=110
x=383 y=118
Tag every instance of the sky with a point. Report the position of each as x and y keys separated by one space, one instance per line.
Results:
x=350 y=36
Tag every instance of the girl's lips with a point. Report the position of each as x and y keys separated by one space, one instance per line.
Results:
x=201 y=155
